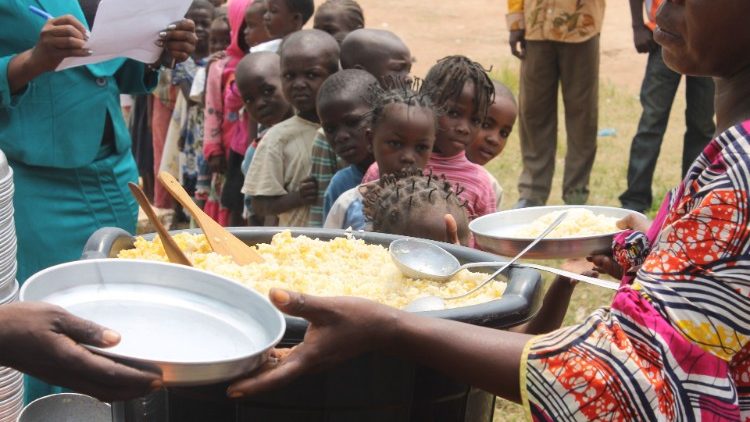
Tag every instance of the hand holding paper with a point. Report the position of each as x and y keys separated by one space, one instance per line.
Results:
x=136 y=29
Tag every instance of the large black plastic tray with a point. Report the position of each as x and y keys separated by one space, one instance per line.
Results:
x=374 y=387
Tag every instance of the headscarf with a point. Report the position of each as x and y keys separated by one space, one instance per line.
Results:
x=236 y=15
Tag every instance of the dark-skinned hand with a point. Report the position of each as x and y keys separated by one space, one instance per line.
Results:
x=59 y=39
x=45 y=341
x=308 y=191
x=340 y=328
x=643 y=39
x=178 y=40
x=605 y=264
x=518 y=43
x=217 y=164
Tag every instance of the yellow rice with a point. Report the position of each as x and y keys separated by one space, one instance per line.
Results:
x=340 y=267
x=579 y=222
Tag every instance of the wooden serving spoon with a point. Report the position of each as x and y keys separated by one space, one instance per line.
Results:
x=174 y=253
x=221 y=241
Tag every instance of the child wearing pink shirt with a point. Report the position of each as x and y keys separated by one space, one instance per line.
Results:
x=463 y=92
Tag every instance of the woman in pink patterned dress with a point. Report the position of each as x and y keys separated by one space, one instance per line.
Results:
x=674 y=343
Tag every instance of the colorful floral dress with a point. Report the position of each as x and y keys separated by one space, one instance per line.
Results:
x=674 y=344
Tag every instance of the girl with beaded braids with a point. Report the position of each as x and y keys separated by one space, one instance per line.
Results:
x=401 y=137
x=462 y=91
x=414 y=204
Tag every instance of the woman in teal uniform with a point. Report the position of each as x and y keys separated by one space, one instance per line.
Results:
x=63 y=132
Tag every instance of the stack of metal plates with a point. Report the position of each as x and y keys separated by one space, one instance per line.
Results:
x=11 y=382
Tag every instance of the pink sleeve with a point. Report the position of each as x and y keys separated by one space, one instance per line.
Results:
x=233 y=103
x=373 y=173
x=487 y=201
x=214 y=112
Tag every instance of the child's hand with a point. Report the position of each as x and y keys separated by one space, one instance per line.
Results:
x=606 y=265
x=308 y=191
x=217 y=164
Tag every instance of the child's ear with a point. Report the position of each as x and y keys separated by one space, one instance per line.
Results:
x=451 y=230
x=298 y=22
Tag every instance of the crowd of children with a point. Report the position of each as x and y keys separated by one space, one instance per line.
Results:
x=273 y=124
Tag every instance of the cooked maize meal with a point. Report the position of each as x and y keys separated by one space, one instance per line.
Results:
x=340 y=267
x=579 y=222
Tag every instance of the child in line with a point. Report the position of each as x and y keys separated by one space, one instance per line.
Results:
x=493 y=135
x=339 y=18
x=282 y=18
x=219 y=39
x=382 y=54
x=401 y=137
x=463 y=92
x=278 y=179
x=253 y=33
x=259 y=83
x=184 y=148
x=255 y=30
x=221 y=122
x=344 y=116
x=377 y=51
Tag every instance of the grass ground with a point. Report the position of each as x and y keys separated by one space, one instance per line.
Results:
x=619 y=110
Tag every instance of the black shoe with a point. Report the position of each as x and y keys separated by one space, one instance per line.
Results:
x=525 y=203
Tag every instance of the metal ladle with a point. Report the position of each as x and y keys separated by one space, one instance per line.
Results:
x=434 y=303
x=418 y=259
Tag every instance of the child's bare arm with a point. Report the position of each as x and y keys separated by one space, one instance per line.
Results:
x=554 y=307
x=275 y=205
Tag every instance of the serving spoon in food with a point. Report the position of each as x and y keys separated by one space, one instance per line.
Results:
x=434 y=303
x=419 y=259
x=220 y=239
x=174 y=253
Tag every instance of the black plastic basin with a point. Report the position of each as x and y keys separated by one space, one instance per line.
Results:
x=374 y=387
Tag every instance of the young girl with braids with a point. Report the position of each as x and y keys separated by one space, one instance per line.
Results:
x=401 y=137
x=463 y=92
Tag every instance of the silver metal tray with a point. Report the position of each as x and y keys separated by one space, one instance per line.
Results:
x=492 y=233
x=194 y=327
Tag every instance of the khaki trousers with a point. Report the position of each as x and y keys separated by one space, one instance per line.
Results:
x=574 y=68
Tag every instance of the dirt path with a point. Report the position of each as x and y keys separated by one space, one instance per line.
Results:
x=476 y=28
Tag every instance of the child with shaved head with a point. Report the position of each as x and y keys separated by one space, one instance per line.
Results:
x=380 y=52
x=259 y=83
x=345 y=116
x=278 y=180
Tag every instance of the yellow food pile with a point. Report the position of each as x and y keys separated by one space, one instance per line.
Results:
x=340 y=267
x=579 y=222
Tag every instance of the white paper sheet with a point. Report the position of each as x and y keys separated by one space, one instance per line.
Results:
x=129 y=28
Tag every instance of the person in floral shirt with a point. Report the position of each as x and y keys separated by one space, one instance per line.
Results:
x=558 y=44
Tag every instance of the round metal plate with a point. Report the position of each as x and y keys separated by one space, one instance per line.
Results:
x=493 y=233
x=193 y=326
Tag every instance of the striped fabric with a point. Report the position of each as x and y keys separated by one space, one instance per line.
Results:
x=674 y=344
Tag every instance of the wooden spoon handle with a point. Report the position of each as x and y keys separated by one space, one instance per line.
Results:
x=174 y=253
x=221 y=240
